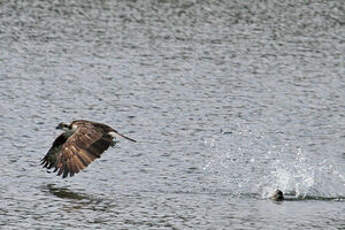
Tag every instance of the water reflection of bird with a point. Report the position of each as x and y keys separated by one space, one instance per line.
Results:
x=65 y=193
x=81 y=143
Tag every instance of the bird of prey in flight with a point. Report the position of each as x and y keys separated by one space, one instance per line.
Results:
x=80 y=144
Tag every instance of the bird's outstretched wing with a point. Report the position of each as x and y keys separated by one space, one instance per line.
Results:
x=50 y=159
x=85 y=145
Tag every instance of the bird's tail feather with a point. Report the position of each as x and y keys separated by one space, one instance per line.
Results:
x=121 y=135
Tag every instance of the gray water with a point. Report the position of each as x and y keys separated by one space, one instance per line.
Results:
x=229 y=100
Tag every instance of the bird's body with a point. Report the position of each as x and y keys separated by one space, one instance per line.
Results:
x=81 y=143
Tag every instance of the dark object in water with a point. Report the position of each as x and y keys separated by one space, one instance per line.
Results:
x=277 y=195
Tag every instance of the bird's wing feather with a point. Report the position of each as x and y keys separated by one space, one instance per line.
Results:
x=50 y=159
x=85 y=145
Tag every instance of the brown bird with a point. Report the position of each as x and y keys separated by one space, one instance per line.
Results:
x=81 y=143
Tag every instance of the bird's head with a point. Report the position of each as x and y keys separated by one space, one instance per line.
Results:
x=277 y=195
x=68 y=127
x=64 y=126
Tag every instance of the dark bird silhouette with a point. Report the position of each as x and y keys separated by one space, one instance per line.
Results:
x=81 y=143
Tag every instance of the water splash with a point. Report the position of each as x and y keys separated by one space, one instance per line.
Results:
x=305 y=178
x=232 y=164
x=249 y=162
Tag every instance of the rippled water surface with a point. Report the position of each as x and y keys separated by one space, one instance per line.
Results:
x=228 y=100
